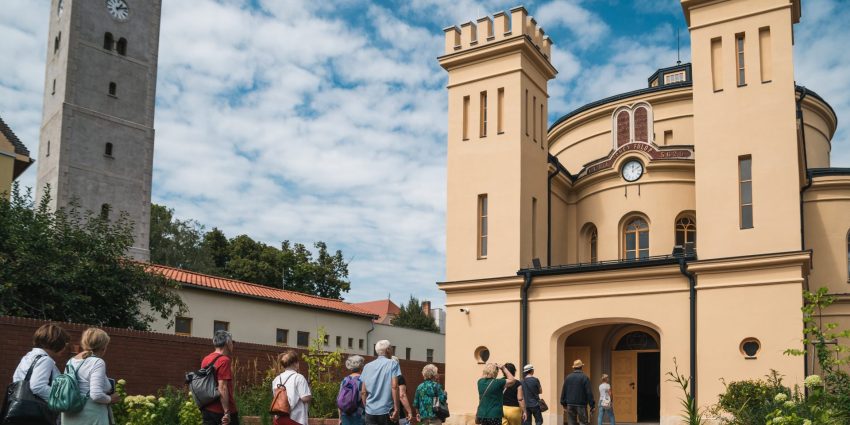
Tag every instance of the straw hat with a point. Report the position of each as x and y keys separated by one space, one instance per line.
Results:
x=577 y=364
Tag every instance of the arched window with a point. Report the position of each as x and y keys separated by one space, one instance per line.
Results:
x=686 y=232
x=641 y=124
x=108 y=150
x=594 y=248
x=108 y=41
x=113 y=89
x=121 y=47
x=637 y=340
x=636 y=239
x=623 y=131
x=104 y=211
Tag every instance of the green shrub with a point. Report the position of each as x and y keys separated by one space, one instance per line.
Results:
x=749 y=402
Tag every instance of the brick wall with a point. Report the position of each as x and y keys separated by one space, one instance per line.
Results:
x=149 y=360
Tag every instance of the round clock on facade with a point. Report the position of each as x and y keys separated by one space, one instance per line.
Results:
x=60 y=8
x=632 y=170
x=118 y=9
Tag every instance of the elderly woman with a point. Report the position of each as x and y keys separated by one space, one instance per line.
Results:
x=423 y=401
x=490 y=389
x=349 y=393
x=92 y=381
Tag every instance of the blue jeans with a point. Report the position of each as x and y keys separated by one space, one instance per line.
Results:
x=607 y=411
x=353 y=419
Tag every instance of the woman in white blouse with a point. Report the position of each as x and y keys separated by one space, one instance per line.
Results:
x=297 y=389
x=92 y=380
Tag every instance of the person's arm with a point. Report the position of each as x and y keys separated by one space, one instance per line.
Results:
x=224 y=390
x=303 y=388
x=402 y=395
x=363 y=393
x=521 y=399
x=394 y=416
x=97 y=379
x=564 y=394
x=588 y=393
x=40 y=379
x=510 y=380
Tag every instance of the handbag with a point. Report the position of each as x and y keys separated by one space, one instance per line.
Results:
x=24 y=407
x=203 y=384
x=440 y=407
x=280 y=403
x=480 y=396
x=543 y=406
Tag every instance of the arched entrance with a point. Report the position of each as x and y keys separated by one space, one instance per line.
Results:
x=630 y=354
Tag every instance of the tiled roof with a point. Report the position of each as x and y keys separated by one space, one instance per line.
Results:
x=380 y=308
x=20 y=148
x=236 y=287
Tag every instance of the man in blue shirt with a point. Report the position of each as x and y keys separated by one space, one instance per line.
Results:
x=380 y=387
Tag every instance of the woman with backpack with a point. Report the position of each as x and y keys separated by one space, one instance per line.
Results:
x=297 y=390
x=426 y=392
x=90 y=371
x=348 y=400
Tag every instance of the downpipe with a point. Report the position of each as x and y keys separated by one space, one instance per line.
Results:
x=683 y=268
x=523 y=312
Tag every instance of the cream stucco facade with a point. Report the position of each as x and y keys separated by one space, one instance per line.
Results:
x=609 y=200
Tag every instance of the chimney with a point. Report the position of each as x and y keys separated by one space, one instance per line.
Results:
x=426 y=308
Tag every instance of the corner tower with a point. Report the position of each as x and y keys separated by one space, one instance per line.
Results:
x=749 y=162
x=97 y=137
x=499 y=70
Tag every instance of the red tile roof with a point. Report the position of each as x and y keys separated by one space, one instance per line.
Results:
x=203 y=281
x=381 y=308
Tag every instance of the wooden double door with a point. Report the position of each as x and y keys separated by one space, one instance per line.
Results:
x=635 y=385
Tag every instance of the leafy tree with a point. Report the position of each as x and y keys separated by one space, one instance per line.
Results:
x=411 y=316
x=70 y=265
x=217 y=246
x=177 y=243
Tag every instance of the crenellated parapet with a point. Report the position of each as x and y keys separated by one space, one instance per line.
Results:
x=501 y=26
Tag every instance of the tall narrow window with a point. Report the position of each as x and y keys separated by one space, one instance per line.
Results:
x=636 y=239
x=429 y=355
x=542 y=126
x=339 y=341
x=54 y=87
x=108 y=41
x=360 y=344
x=848 y=256
x=121 y=46
x=593 y=241
x=641 y=117
x=108 y=149
x=48 y=148
x=745 y=183
x=526 y=112
x=482 y=226
x=533 y=227
x=466 y=118
x=113 y=88
x=407 y=353
x=500 y=119
x=104 y=211
x=534 y=117
x=686 y=232
x=623 y=128
x=282 y=337
x=739 y=57
x=765 y=55
x=350 y=342
x=483 y=130
x=717 y=64
x=56 y=42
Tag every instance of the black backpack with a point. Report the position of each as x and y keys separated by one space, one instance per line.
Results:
x=203 y=384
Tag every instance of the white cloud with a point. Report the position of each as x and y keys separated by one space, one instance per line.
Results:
x=586 y=27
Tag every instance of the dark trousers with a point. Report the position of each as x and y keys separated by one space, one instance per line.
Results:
x=576 y=415
x=212 y=418
x=536 y=413
x=377 y=419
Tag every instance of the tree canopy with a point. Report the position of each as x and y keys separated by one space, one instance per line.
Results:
x=186 y=244
x=70 y=265
x=411 y=316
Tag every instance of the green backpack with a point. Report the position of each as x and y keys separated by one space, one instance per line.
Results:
x=65 y=392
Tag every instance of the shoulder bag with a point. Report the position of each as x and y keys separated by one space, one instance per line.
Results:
x=24 y=407
x=543 y=406
x=438 y=406
x=280 y=403
x=203 y=384
x=478 y=418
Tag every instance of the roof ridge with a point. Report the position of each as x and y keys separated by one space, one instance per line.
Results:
x=247 y=283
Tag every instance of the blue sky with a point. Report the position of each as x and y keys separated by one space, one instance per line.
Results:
x=308 y=121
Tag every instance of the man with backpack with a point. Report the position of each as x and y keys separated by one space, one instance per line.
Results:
x=223 y=410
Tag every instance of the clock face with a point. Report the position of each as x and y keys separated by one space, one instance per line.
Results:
x=60 y=8
x=118 y=9
x=632 y=170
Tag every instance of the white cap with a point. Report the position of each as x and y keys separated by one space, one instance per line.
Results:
x=527 y=368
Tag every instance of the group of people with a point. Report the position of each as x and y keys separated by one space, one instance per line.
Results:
x=510 y=400
x=52 y=347
x=379 y=389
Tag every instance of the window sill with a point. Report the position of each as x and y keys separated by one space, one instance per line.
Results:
x=718 y=90
x=112 y=96
x=282 y=344
x=465 y=139
x=482 y=258
x=742 y=85
x=750 y=358
x=108 y=156
x=766 y=82
x=501 y=132
x=182 y=334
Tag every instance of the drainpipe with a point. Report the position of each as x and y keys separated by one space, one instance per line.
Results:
x=523 y=319
x=803 y=93
x=692 y=285
x=367 y=336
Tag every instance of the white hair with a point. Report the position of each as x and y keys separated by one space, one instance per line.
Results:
x=381 y=347
x=354 y=363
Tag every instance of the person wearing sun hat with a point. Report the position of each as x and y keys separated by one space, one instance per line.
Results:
x=576 y=395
